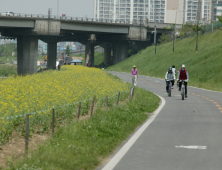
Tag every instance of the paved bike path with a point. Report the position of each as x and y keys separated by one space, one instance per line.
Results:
x=186 y=135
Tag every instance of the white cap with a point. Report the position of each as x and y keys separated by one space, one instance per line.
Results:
x=183 y=65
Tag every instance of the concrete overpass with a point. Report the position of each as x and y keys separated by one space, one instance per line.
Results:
x=108 y=34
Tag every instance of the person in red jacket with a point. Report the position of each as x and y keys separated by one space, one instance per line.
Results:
x=183 y=75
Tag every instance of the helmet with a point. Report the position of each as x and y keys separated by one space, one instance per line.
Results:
x=170 y=69
x=183 y=65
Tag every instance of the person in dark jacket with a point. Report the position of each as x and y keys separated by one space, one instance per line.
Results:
x=183 y=75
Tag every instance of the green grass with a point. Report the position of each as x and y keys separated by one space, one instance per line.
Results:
x=204 y=66
x=83 y=145
x=8 y=70
x=7 y=59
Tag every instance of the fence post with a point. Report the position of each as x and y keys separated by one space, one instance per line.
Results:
x=133 y=92
x=26 y=133
x=106 y=102
x=118 y=98
x=78 y=113
x=53 y=119
x=92 y=107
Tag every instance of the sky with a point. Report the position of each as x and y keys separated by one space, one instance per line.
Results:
x=73 y=8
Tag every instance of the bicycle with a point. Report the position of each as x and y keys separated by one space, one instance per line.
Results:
x=182 y=88
x=170 y=88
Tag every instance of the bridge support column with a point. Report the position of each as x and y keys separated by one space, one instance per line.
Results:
x=51 y=55
x=27 y=51
x=89 y=53
x=120 y=51
x=107 y=56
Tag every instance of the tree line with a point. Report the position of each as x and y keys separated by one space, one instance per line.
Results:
x=7 y=49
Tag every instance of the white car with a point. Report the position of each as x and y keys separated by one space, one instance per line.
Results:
x=7 y=13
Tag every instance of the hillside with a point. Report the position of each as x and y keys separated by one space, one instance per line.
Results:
x=204 y=66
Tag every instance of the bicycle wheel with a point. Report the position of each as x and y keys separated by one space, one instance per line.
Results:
x=182 y=93
x=169 y=92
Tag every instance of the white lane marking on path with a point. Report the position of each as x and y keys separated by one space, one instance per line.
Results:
x=119 y=155
x=191 y=147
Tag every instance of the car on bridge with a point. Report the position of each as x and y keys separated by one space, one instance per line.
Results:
x=7 y=13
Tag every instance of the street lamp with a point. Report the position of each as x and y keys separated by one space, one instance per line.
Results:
x=155 y=25
x=175 y=27
x=212 y=8
x=197 y=38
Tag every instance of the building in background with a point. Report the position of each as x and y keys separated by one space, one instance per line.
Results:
x=134 y=10
x=217 y=9
x=167 y=11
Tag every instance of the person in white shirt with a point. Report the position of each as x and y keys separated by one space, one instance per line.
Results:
x=174 y=70
x=169 y=77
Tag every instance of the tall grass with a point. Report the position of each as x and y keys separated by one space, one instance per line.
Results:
x=204 y=66
x=83 y=145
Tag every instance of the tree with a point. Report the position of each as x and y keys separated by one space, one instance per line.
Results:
x=186 y=30
x=220 y=19
x=165 y=38
x=67 y=50
x=7 y=49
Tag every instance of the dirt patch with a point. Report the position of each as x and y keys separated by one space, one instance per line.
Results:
x=16 y=146
x=79 y=58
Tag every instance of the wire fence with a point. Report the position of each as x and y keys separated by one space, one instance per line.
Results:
x=41 y=121
x=182 y=34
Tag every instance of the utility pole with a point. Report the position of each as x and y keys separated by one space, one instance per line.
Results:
x=140 y=27
x=174 y=36
x=197 y=38
x=174 y=29
x=155 y=25
x=212 y=9
x=140 y=30
x=184 y=10
x=198 y=19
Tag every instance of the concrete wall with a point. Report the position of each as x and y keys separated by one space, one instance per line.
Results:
x=135 y=32
x=120 y=51
x=45 y=27
x=161 y=25
x=171 y=7
x=92 y=27
x=17 y=23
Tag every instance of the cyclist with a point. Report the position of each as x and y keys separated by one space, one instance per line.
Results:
x=183 y=75
x=170 y=76
x=174 y=70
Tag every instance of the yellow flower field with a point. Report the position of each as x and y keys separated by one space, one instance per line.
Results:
x=32 y=93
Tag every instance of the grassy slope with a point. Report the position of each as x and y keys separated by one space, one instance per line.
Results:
x=82 y=145
x=205 y=66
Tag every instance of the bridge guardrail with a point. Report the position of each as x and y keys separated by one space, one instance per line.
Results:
x=142 y=22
